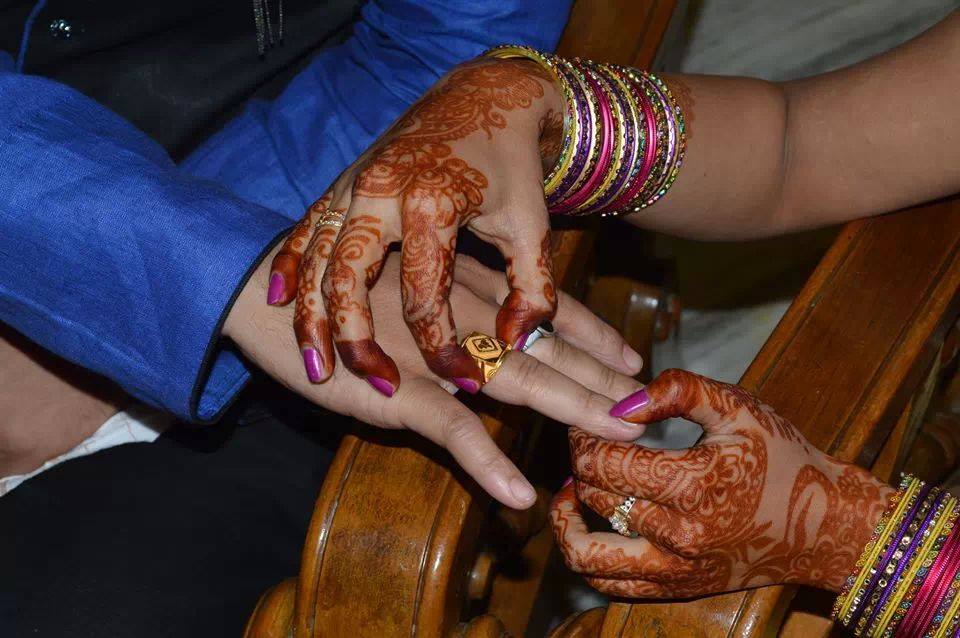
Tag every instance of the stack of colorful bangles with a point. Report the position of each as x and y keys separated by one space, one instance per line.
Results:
x=623 y=139
x=908 y=576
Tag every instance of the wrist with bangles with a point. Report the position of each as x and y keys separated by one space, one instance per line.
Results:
x=623 y=136
x=907 y=580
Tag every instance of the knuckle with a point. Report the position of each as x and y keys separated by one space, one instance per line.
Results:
x=608 y=378
x=456 y=427
x=529 y=374
x=593 y=403
x=608 y=339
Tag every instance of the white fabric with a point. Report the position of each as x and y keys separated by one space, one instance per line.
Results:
x=135 y=425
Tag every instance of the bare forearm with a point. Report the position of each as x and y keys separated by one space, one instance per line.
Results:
x=767 y=158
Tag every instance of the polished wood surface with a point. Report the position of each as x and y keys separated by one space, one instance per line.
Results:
x=393 y=543
x=844 y=364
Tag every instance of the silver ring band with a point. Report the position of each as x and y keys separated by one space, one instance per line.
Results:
x=543 y=331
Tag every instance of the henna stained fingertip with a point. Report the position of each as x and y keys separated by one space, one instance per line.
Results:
x=452 y=362
x=366 y=359
x=631 y=404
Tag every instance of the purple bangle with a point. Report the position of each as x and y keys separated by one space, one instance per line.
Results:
x=906 y=555
x=651 y=149
x=632 y=139
x=583 y=149
x=894 y=544
x=606 y=151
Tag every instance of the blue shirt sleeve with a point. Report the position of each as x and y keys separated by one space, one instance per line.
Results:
x=118 y=260
x=113 y=257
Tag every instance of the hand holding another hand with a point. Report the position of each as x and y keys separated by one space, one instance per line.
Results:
x=573 y=378
x=468 y=153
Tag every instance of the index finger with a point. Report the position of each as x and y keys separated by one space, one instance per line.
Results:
x=606 y=554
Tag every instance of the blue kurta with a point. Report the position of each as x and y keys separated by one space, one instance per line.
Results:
x=121 y=261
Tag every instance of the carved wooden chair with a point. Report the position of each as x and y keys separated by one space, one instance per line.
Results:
x=394 y=546
x=863 y=363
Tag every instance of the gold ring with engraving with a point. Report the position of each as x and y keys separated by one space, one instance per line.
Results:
x=488 y=352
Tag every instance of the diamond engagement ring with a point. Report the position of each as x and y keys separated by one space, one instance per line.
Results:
x=620 y=519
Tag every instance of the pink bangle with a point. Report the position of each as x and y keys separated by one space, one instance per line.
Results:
x=938 y=579
x=649 y=157
x=606 y=150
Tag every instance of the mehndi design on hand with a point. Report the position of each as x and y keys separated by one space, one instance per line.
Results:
x=751 y=504
x=425 y=179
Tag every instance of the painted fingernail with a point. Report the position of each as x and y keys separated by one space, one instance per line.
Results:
x=467 y=385
x=567 y=482
x=632 y=358
x=382 y=386
x=522 y=341
x=314 y=365
x=275 y=291
x=631 y=404
x=522 y=491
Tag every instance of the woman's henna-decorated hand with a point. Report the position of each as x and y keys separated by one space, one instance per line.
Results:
x=564 y=377
x=469 y=153
x=752 y=504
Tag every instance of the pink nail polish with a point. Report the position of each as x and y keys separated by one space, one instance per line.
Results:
x=313 y=364
x=381 y=385
x=522 y=341
x=631 y=404
x=467 y=385
x=275 y=291
x=567 y=482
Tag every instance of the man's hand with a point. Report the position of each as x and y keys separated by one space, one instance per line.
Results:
x=573 y=378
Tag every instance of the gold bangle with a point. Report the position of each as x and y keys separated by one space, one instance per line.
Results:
x=570 y=118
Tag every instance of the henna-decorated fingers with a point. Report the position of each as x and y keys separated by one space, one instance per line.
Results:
x=286 y=263
x=660 y=475
x=608 y=555
x=310 y=324
x=679 y=393
x=427 y=266
x=523 y=380
x=533 y=297
x=661 y=525
x=425 y=408
x=354 y=265
x=573 y=321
